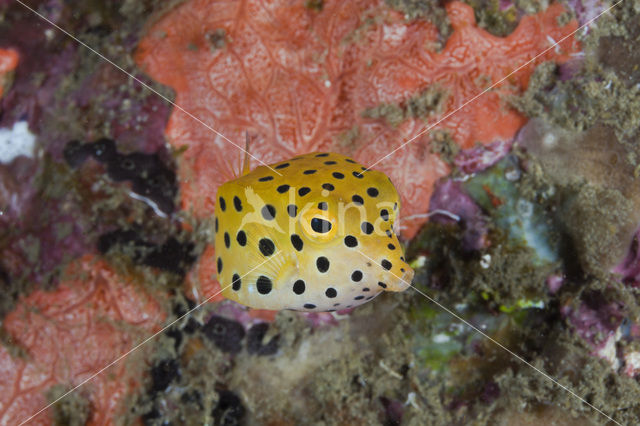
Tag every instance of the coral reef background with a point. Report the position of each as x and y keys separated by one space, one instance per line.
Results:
x=106 y=194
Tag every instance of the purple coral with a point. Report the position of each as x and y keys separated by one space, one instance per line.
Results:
x=598 y=322
x=449 y=197
x=482 y=157
x=586 y=10
x=629 y=268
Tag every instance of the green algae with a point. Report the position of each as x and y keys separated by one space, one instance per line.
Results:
x=217 y=39
x=316 y=5
x=604 y=91
x=393 y=114
x=346 y=139
x=430 y=10
x=597 y=96
x=489 y=16
x=442 y=143
x=524 y=222
x=426 y=104
x=73 y=410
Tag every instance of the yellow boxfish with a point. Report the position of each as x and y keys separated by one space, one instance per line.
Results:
x=313 y=233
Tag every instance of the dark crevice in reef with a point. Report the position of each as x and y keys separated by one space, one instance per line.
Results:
x=172 y=255
x=148 y=175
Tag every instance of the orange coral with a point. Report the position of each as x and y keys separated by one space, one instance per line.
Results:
x=8 y=62
x=302 y=80
x=93 y=317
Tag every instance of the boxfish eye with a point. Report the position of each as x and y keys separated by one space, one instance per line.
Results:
x=320 y=226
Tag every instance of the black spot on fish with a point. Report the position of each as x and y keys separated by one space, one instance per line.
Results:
x=283 y=188
x=322 y=263
x=241 y=238
x=266 y=246
x=367 y=228
x=296 y=241
x=282 y=166
x=303 y=191
x=328 y=186
x=264 y=285
x=373 y=192
x=268 y=212
x=299 y=287
x=236 y=282
x=237 y=204
x=350 y=241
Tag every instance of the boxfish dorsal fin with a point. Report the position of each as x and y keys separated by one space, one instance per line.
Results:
x=245 y=164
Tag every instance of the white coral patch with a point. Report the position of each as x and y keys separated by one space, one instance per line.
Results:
x=393 y=33
x=16 y=141
x=608 y=351
x=632 y=364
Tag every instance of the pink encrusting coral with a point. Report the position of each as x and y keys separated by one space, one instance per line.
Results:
x=8 y=62
x=355 y=77
x=303 y=80
x=70 y=333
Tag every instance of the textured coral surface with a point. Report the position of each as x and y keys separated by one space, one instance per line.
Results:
x=303 y=80
x=67 y=335
x=299 y=79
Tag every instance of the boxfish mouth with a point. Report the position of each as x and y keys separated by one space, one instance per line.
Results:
x=401 y=282
x=407 y=277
